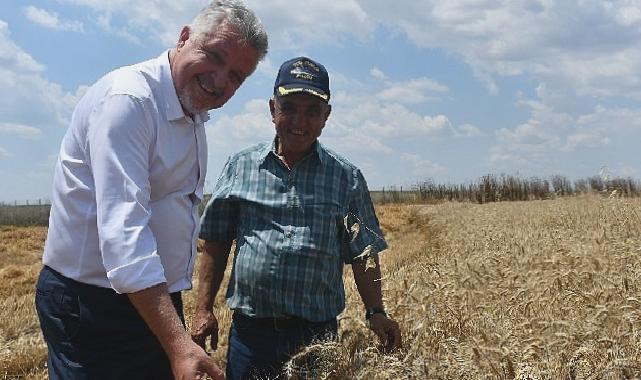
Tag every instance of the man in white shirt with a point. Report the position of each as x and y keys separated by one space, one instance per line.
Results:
x=124 y=222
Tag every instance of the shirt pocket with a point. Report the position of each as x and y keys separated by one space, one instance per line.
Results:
x=324 y=220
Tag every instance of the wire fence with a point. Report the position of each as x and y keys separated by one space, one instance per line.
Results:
x=37 y=202
x=489 y=188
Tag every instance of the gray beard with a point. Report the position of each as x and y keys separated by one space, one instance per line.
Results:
x=187 y=104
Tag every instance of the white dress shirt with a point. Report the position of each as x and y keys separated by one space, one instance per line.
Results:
x=127 y=184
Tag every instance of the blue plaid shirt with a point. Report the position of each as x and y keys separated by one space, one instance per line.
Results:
x=289 y=227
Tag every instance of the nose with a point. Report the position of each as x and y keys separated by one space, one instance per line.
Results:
x=299 y=118
x=220 y=78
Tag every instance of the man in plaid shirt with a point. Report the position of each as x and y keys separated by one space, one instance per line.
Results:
x=298 y=212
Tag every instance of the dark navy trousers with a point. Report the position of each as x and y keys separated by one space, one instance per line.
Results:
x=94 y=333
x=259 y=347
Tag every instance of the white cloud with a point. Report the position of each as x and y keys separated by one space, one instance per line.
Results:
x=577 y=54
x=362 y=127
x=106 y=23
x=33 y=108
x=528 y=136
x=377 y=73
x=421 y=167
x=611 y=118
x=628 y=15
x=266 y=68
x=297 y=25
x=503 y=159
x=358 y=123
x=138 y=21
x=586 y=139
x=549 y=135
x=576 y=47
x=356 y=142
x=50 y=20
x=34 y=100
x=469 y=130
x=13 y=57
x=412 y=92
x=384 y=119
x=501 y=155
x=390 y=113
x=289 y=24
x=20 y=130
x=252 y=125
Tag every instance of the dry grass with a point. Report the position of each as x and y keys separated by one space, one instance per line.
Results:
x=519 y=290
x=524 y=290
x=22 y=351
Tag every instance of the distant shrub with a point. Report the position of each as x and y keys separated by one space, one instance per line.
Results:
x=492 y=188
x=24 y=215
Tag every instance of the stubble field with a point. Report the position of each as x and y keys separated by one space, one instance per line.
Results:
x=512 y=290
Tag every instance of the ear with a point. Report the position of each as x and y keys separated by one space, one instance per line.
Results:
x=272 y=108
x=184 y=36
x=328 y=111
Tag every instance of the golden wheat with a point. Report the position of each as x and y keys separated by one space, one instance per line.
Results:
x=513 y=290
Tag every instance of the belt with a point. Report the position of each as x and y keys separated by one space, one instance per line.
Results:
x=279 y=323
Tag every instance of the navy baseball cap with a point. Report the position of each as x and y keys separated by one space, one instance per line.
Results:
x=302 y=74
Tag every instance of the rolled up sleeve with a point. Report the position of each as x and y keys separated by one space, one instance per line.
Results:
x=120 y=141
x=364 y=233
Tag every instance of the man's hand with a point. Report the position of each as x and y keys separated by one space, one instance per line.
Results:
x=213 y=262
x=205 y=325
x=192 y=362
x=188 y=361
x=387 y=331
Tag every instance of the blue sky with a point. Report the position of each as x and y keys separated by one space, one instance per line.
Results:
x=443 y=90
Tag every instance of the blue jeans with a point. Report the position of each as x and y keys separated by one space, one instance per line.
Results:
x=258 y=347
x=94 y=333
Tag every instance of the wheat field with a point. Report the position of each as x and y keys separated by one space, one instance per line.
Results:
x=511 y=290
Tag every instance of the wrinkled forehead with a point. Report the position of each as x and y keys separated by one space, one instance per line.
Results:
x=224 y=31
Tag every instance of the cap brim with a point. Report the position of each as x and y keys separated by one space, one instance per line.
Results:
x=293 y=89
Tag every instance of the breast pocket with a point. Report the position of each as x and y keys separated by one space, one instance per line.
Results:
x=324 y=220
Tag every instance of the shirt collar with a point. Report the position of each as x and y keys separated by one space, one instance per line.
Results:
x=320 y=151
x=317 y=150
x=172 y=104
x=267 y=149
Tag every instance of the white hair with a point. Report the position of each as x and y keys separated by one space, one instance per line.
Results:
x=237 y=14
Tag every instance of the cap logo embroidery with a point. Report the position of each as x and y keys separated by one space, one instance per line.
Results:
x=299 y=74
x=309 y=64
x=302 y=75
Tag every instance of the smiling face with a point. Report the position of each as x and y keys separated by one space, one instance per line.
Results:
x=207 y=71
x=299 y=119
